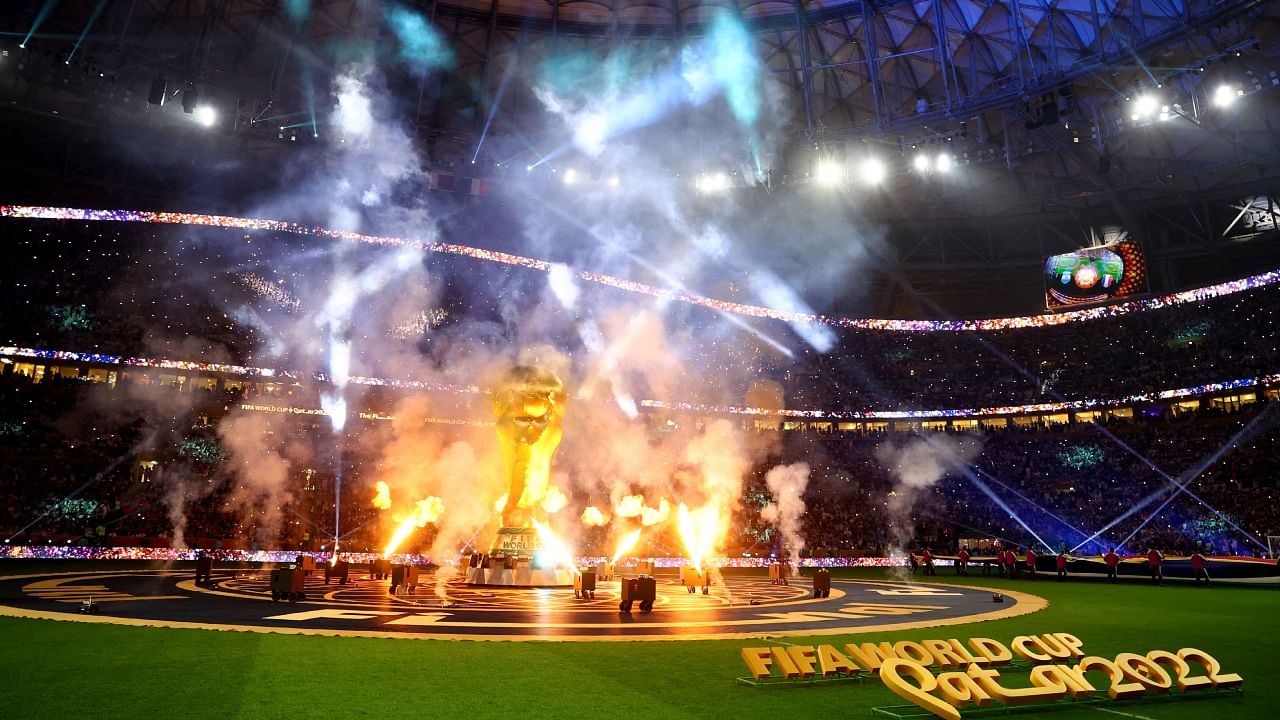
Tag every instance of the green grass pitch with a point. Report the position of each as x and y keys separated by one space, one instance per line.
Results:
x=54 y=670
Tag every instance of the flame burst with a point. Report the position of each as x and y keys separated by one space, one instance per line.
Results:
x=699 y=530
x=628 y=543
x=500 y=504
x=629 y=506
x=555 y=547
x=592 y=517
x=653 y=516
x=428 y=511
x=553 y=500
x=382 y=499
x=634 y=506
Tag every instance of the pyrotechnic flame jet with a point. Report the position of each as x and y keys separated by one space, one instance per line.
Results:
x=555 y=547
x=699 y=530
x=627 y=544
x=427 y=511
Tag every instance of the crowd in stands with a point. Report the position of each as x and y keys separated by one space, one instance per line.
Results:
x=80 y=463
x=1056 y=487
x=73 y=455
x=1232 y=337
x=128 y=290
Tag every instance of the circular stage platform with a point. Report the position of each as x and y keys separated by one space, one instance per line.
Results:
x=743 y=607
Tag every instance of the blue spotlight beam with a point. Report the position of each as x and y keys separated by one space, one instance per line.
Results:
x=977 y=481
x=1110 y=435
x=310 y=90
x=89 y=483
x=40 y=18
x=1180 y=486
x=971 y=528
x=97 y=10
x=733 y=319
x=1230 y=445
x=1031 y=502
x=493 y=108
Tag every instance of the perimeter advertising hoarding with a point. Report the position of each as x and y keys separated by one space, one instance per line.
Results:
x=1094 y=275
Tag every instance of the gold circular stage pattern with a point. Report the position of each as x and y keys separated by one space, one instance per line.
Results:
x=743 y=607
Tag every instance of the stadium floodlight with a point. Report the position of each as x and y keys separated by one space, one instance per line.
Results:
x=207 y=116
x=1225 y=96
x=614 y=181
x=570 y=176
x=591 y=133
x=873 y=171
x=921 y=163
x=828 y=173
x=1145 y=106
x=712 y=183
x=943 y=163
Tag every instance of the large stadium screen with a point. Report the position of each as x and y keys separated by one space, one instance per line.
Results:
x=1094 y=275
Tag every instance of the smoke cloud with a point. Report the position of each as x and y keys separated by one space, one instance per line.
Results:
x=787 y=484
x=917 y=464
x=260 y=486
x=349 y=311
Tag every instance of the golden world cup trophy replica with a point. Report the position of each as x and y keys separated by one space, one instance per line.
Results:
x=529 y=407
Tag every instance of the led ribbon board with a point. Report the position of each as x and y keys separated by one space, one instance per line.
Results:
x=1010 y=323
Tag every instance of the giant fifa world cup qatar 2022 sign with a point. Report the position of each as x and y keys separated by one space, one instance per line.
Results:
x=967 y=674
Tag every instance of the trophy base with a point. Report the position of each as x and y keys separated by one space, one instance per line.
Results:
x=511 y=562
x=521 y=576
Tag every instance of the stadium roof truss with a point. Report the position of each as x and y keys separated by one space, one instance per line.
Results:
x=973 y=75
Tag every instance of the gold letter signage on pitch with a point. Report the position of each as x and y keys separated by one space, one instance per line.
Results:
x=971 y=677
x=950 y=653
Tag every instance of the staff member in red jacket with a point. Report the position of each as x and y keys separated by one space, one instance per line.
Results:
x=962 y=562
x=1113 y=561
x=1153 y=563
x=1061 y=564
x=1031 y=562
x=1198 y=568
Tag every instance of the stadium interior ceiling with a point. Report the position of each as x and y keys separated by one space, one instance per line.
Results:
x=1066 y=121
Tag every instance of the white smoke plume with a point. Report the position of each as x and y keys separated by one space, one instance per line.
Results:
x=917 y=464
x=612 y=349
x=787 y=484
x=260 y=487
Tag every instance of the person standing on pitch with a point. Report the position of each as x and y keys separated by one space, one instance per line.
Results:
x=1154 y=559
x=1113 y=561
x=1031 y=563
x=962 y=562
x=928 y=562
x=1198 y=568
x=1061 y=564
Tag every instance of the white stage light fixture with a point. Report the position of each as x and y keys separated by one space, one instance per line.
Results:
x=614 y=181
x=828 y=173
x=943 y=163
x=872 y=171
x=1225 y=96
x=570 y=176
x=921 y=163
x=1145 y=106
x=206 y=115
x=712 y=183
